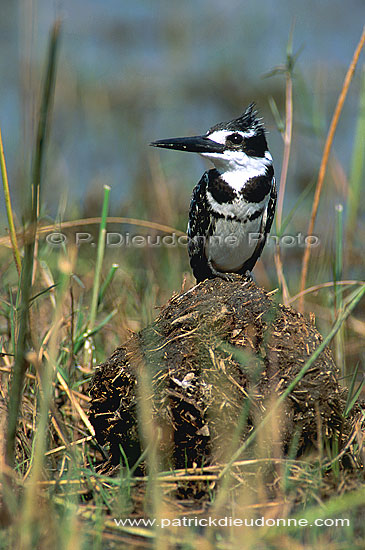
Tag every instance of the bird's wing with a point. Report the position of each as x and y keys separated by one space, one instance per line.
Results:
x=199 y=227
x=270 y=210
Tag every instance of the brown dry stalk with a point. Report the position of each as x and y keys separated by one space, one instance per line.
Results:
x=323 y=285
x=324 y=161
x=281 y=277
x=283 y=179
x=81 y=396
x=72 y=444
x=5 y=241
x=287 y=145
x=76 y=404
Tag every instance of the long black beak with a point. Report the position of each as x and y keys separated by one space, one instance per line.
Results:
x=194 y=144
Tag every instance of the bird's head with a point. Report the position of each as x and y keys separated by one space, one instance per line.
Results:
x=235 y=146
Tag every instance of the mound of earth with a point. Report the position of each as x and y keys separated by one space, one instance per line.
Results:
x=205 y=372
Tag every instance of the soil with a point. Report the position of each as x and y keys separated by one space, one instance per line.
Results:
x=205 y=372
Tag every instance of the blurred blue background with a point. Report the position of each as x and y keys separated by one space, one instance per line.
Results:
x=132 y=72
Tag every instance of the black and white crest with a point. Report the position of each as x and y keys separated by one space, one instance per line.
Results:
x=248 y=120
x=233 y=205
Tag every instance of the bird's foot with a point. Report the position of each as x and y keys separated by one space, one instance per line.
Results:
x=231 y=277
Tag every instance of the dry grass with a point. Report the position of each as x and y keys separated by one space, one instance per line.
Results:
x=52 y=493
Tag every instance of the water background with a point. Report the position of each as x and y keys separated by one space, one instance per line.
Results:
x=132 y=72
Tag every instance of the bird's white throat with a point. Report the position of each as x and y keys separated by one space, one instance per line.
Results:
x=236 y=168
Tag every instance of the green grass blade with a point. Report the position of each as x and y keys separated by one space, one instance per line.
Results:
x=99 y=258
x=355 y=397
x=357 y=165
x=339 y=338
x=275 y=113
x=107 y=282
x=352 y=395
x=20 y=364
x=83 y=337
x=9 y=210
x=43 y=121
x=299 y=202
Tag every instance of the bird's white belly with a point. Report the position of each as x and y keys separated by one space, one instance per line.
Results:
x=232 y=243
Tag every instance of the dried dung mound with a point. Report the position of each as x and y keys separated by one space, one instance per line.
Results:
x=211 y=351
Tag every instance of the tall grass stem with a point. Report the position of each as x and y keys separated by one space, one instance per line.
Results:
x=324 y=161
x=99 y=258
x=9 y=210
x=339 y=338
x=20 y=363
x=357 y=165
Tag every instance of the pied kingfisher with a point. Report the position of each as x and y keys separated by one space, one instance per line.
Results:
x=233 y=205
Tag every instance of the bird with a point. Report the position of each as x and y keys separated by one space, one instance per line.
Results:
x=233 y=206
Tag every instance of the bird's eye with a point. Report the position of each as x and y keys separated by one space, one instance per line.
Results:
x=236 y=139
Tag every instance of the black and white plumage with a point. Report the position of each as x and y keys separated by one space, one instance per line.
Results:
x=233 y=205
